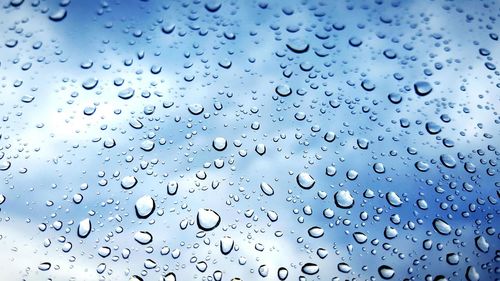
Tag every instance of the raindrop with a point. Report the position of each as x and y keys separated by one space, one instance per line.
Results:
x=432 y=128
x=441 y=226
x=143 y=237
x=379 y=168
x=482 y=244
x=168 y=28
x=310 y=268
x=393 y=199
x=58 y=15
x=207 y=219
x=44 y=266
x=422 y=88
x=144 y=206
x=90 y=83
x=298 y=46
x=305 y=180
x=4 y=165
x=386 y=272
x=343 y=199
x=195 y=108
x=267 y=189
x=126 y=94
x=316 y=232
x=448 y=160
x=84 y=228
x=226 y=245
x=219 y=143
x=283 y=90
x=213 y=5
x=282 y=273
x=128 y=182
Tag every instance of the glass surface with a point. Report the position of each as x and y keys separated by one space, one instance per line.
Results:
x=249 y=140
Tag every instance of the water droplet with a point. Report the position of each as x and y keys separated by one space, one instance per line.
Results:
x=144 y=206
x=168 y=28
x=316 y=232
x=147 y=145
x=344 y=267
x=219 y=143
x=441 y=226
x=260 y=149
x=386 y=272
x=360 y=237
x=84 y=228
x=448 y=160
x=298 y=46
x=172 y=188
x=482 y=244
x=282 y=273
x=58 y=15
x=27 y=98
x=11 y=43
x=422 y=166
x=471 y=274
x=128 y=182
x=343 y=199
x=213 y=5
x=283 y=90
x=267 y=189
x=195 y=108
x=226 y=245
x=379 y=168
x=355 y=42
x=432 y=128
x=422 y=88
x=263 y=270
x=89 y=110
x=367 y=85
x=363 y=143
x=207 y=219
x=393 y=199
x=310 y=268
x=90 y=83
x=16 y=3
x=452 y=258
x=225 y=63
x=44 y=266
x=329 y=136
x=4 y=165
x=126 y=94
x=305 y=180
x=143 y=237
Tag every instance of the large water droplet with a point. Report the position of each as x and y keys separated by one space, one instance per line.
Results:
x=219 y=143
x=310 y=268
x=144 y=206
x=195 y=108
x=226 y=245
x=267 y=189
x=422 y=88
x=207 y=219
x=343 y=199
x=128 y=182
x=143 y=237
x=316 y=232
x=305 y=180
x=58 y=15
x=386 y=272
x=441 y=226
x=84 y=228
x=283 y=90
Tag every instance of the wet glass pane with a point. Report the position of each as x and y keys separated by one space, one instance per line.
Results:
x=249 y=140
